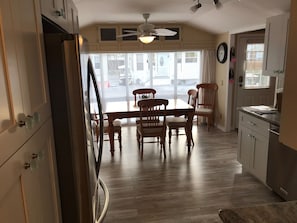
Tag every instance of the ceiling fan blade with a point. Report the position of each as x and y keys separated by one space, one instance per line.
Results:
x=164 y=32
x=128 y=34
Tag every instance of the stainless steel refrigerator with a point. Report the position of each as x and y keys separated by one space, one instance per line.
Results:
x=74 y=99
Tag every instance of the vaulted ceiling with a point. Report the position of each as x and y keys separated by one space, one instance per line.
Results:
x=234 y=16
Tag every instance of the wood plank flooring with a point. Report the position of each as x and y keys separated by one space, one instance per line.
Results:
x=181 y=188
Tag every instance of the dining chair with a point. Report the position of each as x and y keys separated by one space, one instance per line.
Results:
x=117 y=125
x=206 y=99
x=175 y=123
x=143 y=93
x=152 y=122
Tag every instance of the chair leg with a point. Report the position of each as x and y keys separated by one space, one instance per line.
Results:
x=138 y=139
x=163 y=140
x=176 y=132
x=170 y=134
x=120 y=139
x=141 y=147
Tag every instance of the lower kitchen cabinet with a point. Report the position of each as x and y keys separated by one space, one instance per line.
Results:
x=29 y=190
x=253 y=141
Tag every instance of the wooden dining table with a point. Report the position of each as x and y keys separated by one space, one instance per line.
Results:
x=127 y=109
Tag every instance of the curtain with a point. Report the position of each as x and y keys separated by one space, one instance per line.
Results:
x=208 y=62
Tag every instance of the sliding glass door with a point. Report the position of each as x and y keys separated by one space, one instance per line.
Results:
x=170 y=73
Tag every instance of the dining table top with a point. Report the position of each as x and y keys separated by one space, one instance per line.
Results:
x=129 y=106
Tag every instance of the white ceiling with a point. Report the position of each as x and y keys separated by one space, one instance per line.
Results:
x=234 y=16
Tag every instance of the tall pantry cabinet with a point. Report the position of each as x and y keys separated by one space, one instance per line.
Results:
x=28 y=176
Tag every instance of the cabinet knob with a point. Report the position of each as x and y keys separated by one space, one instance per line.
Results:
x=36 y=117
x=27 y=165
x=35 y=156
x=21 y=123
x=60 y=13
x=29 y=121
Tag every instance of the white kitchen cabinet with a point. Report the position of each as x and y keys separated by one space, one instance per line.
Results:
x=61 y=12
x=25 y=104
x=29 y=190
x=275 y=51
x=72 y=14
x=288 y=121
x=56 y=11
x=253 y=140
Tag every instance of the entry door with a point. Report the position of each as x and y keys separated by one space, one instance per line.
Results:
x=253 y=88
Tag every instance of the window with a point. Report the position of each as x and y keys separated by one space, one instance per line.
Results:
x=139 y=61
x=170 y=73
x=96 y=62
x=253 y=67
x=191 y=57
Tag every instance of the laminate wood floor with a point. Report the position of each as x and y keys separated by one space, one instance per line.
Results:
x=181 y=188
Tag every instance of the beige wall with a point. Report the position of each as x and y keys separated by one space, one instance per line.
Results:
x=191 y=39
x=222 y=81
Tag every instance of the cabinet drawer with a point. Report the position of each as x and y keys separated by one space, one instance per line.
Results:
x=254 y=123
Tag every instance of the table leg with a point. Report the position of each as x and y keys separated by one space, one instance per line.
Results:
x=111 y=135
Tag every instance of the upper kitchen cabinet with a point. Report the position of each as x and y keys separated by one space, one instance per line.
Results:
x=72 y=14
x=275 y=45
x=61 y=12
x=24 y=90
x=56 y=11
x=288 y=125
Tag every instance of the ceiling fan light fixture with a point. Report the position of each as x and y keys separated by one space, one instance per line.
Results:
x=146 y=39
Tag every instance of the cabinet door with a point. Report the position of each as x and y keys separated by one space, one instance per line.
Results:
x=11 y=136
x=72 y=17
x=29 y=50
x=12 y=207
x=259 y=156
x=56 y=11
x=24 y=88
x=275 y=45
x=29 y=191
x=245 y=144
x=39 y=181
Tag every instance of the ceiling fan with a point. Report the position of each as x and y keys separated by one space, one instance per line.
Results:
x=147 y=32
x=198 y=5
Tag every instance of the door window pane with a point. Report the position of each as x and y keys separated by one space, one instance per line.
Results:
x=253 y=67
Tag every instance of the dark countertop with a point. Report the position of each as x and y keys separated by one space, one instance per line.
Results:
x=272 y=116
x=279 y=212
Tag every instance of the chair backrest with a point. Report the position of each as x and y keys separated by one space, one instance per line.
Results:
x=143 y=93
x=192 y=97
x=150 y=115
x=206 y=94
